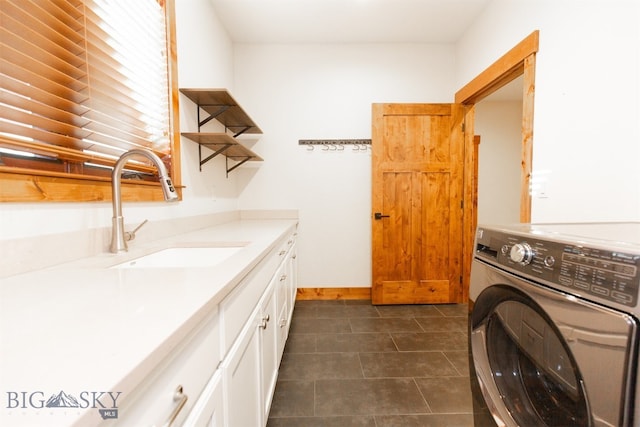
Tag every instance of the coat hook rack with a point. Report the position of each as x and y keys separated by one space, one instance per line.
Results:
x=335 y=144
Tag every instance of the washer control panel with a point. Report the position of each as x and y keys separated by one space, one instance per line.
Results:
x=609 y=274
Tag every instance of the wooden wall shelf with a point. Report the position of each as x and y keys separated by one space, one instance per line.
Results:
x=222 y=143
x=220 y=105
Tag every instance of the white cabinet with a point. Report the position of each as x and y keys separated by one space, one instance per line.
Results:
x=270 y=358
x=287 y=288
x=241 y=372
x=169 y=392
x=251 y=365
x=292 y=283
x=227 y=366
x=282 y=306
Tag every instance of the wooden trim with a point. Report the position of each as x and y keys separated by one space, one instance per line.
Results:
x=501 y=72
x=377 y=137
x=174 y=94
x=470 y=220
x=16 y=187
x=527 y=137
x=459 y=132
x=324 y=294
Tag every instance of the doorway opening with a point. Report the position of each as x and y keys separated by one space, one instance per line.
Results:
x=517 y=62
x=498 y=124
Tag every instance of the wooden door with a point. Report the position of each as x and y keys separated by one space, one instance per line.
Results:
x=417 y=184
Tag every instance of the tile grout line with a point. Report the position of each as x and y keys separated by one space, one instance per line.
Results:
x=422 y=395
x=315 y=400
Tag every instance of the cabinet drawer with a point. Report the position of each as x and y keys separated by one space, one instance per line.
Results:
x=190 y=366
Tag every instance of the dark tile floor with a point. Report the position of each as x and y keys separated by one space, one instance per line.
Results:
x=348 y=363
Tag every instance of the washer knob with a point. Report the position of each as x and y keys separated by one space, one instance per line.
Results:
x=521 y=253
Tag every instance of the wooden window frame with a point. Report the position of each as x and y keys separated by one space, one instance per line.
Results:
x=16 y=185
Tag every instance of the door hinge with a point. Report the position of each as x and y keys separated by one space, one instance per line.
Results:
x=463 y=127
x=461 y=204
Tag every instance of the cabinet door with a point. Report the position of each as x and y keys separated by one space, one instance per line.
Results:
x=287 y=283
x=269 y=343
x=283 y=298
x=292 y=281
x=208 y=411
x=251 y=368
x=282 y=289
x=242 y=391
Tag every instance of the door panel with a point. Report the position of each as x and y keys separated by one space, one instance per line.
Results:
x=397 y=228
x=436 y=219
x=417 y=152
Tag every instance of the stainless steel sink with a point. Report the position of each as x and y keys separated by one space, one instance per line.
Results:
x=183 y=257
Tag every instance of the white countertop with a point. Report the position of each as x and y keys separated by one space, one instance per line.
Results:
x=84 y=327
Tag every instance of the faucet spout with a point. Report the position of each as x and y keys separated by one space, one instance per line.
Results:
x=118 y=237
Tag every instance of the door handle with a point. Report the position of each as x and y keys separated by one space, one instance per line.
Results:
x=378 y=215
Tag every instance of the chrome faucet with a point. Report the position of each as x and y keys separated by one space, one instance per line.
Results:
x=118 y=237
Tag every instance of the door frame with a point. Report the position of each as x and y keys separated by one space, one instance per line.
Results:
x=519 y=61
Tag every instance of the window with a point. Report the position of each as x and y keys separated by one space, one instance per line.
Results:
x=81 y=82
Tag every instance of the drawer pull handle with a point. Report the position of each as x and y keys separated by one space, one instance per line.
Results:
x=282 y=253
x=283 y=277
x=265 y=321
x=180 y=397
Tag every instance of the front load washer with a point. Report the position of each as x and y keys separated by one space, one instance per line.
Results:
x=554 y=327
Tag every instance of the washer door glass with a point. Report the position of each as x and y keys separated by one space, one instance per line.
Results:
x=533 y=369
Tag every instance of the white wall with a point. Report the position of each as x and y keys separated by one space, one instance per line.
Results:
x=586 y=137
x=325 y=92
x=499 y=125
x=205 y=60
x=586 y=125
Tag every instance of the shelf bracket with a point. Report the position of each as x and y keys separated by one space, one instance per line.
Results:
x=218 y=151
x=240 y=163
x=222 y=109
x=242 y=131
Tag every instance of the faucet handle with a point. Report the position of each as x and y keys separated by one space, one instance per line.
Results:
x=130 y=235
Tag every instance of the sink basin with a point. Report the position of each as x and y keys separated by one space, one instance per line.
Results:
x=182 y=257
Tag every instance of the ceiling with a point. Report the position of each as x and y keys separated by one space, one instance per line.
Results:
x=354 y=21
x=347 y=21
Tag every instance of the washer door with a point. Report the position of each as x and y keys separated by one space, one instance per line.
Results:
x=545 y=359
